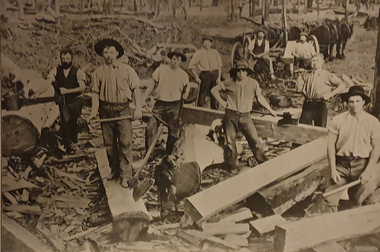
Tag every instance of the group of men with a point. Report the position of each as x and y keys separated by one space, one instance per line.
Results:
x=354 y=136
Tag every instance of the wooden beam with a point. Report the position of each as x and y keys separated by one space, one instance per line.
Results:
x=240 y=215
x=329 y=247
x=216 y=198
x=300 y=133
x=198 y=238
x=225 y=228
x=282 y=195
x=17 y=238
x=327 y=227
x=267 y=224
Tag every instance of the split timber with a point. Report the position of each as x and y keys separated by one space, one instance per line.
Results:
x=309 y=157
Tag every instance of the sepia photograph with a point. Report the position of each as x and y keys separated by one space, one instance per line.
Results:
x=190 y=125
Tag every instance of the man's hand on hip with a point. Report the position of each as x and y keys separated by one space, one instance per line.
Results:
x=335 y=176
x=138 y=114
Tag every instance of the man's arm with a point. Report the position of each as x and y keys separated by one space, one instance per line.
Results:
x=219 y=66
x=331 y=153
x=373 y=158
x=215 y=92
x=340 y=87
x=263 y=102
x=94 y=107
x=137 y=96
x=81 y=77
x=300 y=83
x=193 y=65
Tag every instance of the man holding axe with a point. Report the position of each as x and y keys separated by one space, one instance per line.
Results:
x=114 y=86
x=171 y=88
x=354 y=148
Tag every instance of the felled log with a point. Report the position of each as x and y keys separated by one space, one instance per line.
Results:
x=327 y=227
x=130 y=217
x=216 y=198
x=21 y=128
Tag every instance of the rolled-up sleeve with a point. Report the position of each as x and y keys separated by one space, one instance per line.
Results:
x=194 y=61
x=81 y=76
x=376 y=130
x=156 y=74
x=333 y=80
x=133 y=79
x=219 y=59
x=95 y=83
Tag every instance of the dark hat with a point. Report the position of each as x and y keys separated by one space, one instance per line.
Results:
x=241 y=65
x=100 y=45
x=178 y=52
x=353 y=91
x=207 y=37
x=304 y=34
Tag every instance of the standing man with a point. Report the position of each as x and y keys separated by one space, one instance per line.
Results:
x=354 y=147
x=240 y=91
x=317 y=86
x=114 y=85
x=303 y=52
x=259 y=49
x=209 y=63
x=69 y=84
x=171 y=88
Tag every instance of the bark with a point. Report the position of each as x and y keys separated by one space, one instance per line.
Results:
x=376 y=101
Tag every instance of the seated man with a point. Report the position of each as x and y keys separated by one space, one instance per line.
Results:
x=259 y=49
x=303 y=52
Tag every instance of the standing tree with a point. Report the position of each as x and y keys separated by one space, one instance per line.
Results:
x=200 y=5
x=108 y=7
x=376 y=100
x=135 y=5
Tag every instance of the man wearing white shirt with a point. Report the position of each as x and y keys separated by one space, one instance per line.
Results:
x=259 y=49
x=303 y=52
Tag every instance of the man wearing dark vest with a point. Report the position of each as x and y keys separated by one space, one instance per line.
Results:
x=259 y=49
x=69 y=84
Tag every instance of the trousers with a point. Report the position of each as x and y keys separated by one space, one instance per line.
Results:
x=117 y=137
x=314 y=111
x=208 y=81
x=70 y=112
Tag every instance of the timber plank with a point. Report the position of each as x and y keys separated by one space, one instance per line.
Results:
x=329 y=247
x=216 y=198
x=240 y=215
x=20 y=238
x=327 y=227
x=300 y=133
x=225 y=228
x=267 y=224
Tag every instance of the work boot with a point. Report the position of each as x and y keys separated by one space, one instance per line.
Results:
x=113 y=175
x=260 y=156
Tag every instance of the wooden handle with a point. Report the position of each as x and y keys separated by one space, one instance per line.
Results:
x=339 y=189
x=114 y=119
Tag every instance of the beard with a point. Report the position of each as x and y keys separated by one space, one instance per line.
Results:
x=66 y=65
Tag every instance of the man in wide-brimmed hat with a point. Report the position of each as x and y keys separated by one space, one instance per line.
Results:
x=303 y=52
x=240 y=90
x=354 y=147
x=318 y=86
x=114 y=85
x=171 y=87
x=208 y=62
x=259 y=49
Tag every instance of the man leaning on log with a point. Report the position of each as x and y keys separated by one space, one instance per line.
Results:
x=69 y=84
x=114 y=85
x=240 y=91
x=354 y=148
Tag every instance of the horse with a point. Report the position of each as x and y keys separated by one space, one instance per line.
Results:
x=345 y=32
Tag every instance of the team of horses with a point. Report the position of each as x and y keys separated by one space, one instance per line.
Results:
x=329 y=33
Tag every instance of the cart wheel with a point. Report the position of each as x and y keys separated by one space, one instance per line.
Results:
x=237 y=53
x=314 y=41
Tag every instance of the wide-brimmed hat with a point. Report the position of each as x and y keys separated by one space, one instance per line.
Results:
x=240 y=65
x=178 y=52
x=207 y=37
x=100 y=45
x=304 y=34
x=353 y=91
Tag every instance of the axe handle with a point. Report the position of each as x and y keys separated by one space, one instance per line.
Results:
x=339 y=189
x=114 y=119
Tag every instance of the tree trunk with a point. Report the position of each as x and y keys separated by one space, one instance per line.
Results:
x=135 y=5
x=285 y=22
x=174 y=7
x=20 y=9
x=57 y=6
x=108 y=7
x=200 y=5
x=184 y=8
x=346 y=10
x=376 y=100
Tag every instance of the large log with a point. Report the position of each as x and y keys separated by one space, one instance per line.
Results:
x=282 y=195
x=328 y=227
x=16 y=238
x=268 y=127
x=21 y=128
x=216 y=198
x=130 y=217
